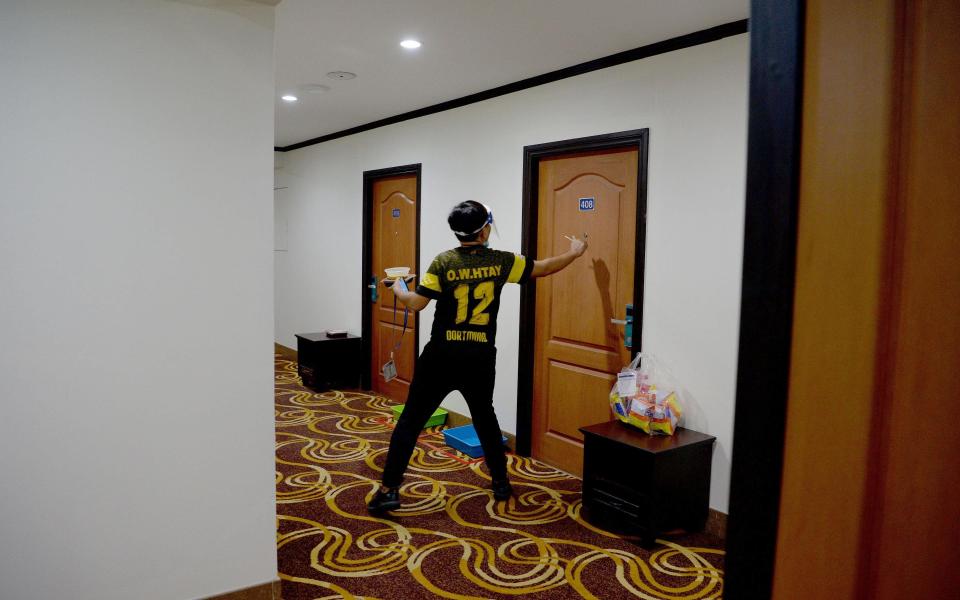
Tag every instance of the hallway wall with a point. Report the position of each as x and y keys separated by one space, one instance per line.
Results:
x=695 y=103
x=136 y=440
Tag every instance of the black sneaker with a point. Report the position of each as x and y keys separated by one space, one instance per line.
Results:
x=501 y=489
x=384 y=501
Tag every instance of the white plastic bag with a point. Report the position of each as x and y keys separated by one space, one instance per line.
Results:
x=647 y=396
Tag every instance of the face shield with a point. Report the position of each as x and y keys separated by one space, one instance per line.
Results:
x=490 y=221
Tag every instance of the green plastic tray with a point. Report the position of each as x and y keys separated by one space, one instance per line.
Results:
x=439 y=416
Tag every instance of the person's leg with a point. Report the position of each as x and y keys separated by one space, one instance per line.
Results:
x=427 y=390
x=478 y=392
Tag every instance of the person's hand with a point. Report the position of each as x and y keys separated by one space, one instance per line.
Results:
x=577 y=246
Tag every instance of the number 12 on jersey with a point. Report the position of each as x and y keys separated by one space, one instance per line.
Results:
x=484 y=292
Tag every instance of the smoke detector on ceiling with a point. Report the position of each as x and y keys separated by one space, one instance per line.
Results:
x=341 y=75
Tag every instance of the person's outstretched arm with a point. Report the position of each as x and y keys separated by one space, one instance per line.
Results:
x=411 y=300
x=549 y=266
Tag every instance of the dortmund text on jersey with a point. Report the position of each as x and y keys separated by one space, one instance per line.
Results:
x=466 y=284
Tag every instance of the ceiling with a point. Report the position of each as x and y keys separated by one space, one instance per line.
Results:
x=468 y=46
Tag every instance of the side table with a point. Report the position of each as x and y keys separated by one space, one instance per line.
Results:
x=644 y=483
x=325 y=362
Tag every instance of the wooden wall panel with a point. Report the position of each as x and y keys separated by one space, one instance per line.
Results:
x=848 y=79
x=869 y=503
x=913 y=526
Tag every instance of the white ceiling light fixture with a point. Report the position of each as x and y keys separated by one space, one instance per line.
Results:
x=341 y=75
x=289 y=98
x=410 y=44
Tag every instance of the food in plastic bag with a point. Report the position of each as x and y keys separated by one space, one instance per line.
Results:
x=647 y=396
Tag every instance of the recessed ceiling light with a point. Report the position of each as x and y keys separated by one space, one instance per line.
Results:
x=288 y=98
x=410 y=44
x=342 y=75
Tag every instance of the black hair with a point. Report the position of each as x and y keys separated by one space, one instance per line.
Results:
x=467 y=220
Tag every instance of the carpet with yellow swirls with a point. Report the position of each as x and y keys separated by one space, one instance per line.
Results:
x=449 y=539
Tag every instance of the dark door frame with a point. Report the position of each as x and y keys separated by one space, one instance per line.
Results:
x=532 y=155
x=366 y=334
x=766 y=304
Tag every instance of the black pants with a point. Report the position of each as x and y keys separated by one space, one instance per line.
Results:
x=443 y=368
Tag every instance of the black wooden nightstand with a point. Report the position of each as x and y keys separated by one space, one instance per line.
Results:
x=325 y=362
x=648 y=484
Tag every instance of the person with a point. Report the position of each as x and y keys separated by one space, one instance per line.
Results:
x=461 y=354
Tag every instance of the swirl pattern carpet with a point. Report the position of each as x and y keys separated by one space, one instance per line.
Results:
x=449 y=539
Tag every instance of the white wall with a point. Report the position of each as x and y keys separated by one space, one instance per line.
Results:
x=136 y=442
x=695 y=103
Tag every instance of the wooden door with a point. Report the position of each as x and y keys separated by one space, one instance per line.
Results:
x=577 y=349
x=871 y=469
x=394 y=240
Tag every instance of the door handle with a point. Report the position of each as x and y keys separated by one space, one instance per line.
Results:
x=373 y=288
x=627 y=326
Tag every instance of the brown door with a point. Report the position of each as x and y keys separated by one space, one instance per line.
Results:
x=871 y=470
x=394 y=238
x=577 y=349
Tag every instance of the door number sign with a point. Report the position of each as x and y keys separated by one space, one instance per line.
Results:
x=587 y=204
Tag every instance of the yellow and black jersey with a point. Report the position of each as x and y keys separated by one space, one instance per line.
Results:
x=466 y=284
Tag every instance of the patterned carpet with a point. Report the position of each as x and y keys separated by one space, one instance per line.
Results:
x=449 y=539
